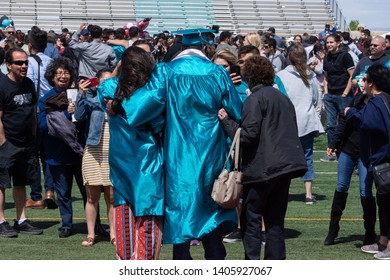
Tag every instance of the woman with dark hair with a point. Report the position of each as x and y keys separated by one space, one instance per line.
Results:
x=298 y=39
x=375 y=146
x=135 y=156
x=346 y=145
x=60 y=137
x=338 y=69
x=271 y=156
x=302 y=89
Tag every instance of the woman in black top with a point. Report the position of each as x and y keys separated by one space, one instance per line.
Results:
x=345 y=143
x=271 y=156
x=338 y=69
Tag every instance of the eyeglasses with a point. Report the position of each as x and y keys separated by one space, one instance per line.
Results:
x=374 y=45
x=20 y=62
x=59 y=74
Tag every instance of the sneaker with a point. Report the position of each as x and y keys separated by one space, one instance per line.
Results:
x=329 y=158
x=233 y=237
x=383 y=255
x=373 y=248
x=7 y=231
x=27 y=228
x=194 y=242
x=310 y=200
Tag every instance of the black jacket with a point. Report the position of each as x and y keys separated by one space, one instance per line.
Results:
x=346 y=136
x=269 y=137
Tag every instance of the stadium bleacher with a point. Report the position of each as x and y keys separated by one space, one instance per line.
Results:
x=240 y=16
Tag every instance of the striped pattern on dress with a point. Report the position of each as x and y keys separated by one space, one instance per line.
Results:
x=95 y=166
x=137 y=238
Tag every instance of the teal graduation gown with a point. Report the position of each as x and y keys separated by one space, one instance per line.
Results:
x=195 y=146
x=135 y=157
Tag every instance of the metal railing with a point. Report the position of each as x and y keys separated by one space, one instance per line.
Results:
x=338 y=16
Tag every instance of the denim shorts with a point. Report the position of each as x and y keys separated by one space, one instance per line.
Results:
x=18 y=163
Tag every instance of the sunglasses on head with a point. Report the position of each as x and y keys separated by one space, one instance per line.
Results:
x=20 y=62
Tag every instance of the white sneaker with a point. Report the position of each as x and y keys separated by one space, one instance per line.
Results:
x=383 y=255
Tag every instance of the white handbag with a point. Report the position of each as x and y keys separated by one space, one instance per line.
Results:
x=227 y=187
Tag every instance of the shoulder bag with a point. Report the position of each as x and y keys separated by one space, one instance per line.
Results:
x=381 y=172
x=228 y=186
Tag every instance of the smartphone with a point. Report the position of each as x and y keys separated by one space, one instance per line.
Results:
x=235 y=69
x=94 y=82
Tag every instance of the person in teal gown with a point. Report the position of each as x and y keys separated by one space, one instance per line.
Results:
x=135 y=155
x=194 y=143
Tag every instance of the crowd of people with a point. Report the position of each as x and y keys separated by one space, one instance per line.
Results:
x=147 y=120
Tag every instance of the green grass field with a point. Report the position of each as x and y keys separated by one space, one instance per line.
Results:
x=306 y=227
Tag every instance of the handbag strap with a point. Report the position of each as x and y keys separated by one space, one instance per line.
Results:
x=38 y=60
x=236 y=145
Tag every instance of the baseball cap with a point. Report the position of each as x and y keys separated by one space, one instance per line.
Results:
x=272 y=30
x=84 y=32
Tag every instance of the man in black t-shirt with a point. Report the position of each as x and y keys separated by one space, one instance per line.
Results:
x=17 y=140
x=377 y=56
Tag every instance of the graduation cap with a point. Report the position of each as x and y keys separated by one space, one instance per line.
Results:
x=197 y=36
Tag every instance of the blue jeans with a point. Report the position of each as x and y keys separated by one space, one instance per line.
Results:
x=307 y=145
x=345 y=168
x=36 y=189
x=62 y=181
x=334 y=105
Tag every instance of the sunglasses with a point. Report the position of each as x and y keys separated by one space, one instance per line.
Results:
x=20 y=62
x=10 y=32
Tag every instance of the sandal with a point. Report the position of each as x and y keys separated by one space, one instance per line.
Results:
x=113 y=241
x=88 y=242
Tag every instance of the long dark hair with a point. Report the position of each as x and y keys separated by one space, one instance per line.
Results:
x=298 y=58
x=136 y=70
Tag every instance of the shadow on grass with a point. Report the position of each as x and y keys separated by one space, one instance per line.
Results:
x=46 y=224
x=301 y=197
x=291 y=233
x=351 y=238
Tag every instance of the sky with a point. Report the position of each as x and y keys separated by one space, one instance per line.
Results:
x=374 y=14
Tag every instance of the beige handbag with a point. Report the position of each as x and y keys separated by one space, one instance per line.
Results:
x=227 y=187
